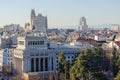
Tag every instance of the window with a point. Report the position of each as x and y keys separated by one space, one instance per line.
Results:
x=21 y=42
x=72 y=60
x=36 y=43
x=41 y=42
x=64 y=57
x=33 y=42
x=48 y=45
x=37 y=54
x=29 y=43
x=5 y=50
x=68 y=57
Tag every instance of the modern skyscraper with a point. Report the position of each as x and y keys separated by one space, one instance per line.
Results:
x=83 y=25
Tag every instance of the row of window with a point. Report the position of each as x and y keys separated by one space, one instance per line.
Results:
x=36 y=43
x=9 y=55
x=69 y=53
x=32 y=42
x=9 y=59
x=69 y=60
x=67 y=57
x=58 y=63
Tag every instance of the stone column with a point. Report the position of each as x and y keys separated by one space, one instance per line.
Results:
x=50 y=64
x=29 y=65
x=24 y=64
x=27 y=59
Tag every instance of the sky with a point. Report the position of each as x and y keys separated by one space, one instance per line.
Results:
x=61 y=13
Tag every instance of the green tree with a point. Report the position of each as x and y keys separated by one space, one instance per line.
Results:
x=64 y=66
x=115 y=62
x=67 y=69
x=88 y=66
x=61 y=62
x=79 y=70
x=118 y=76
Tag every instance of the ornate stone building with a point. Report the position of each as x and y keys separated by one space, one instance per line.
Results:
x=37 y=55
x=38 y=23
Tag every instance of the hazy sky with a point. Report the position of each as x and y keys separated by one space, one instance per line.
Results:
x=61 y=12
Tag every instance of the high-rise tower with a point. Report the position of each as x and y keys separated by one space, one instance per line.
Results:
x=38 y=22
x=83 y=25
x=32 y=16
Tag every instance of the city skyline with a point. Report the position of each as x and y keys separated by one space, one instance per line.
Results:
x=61 y=13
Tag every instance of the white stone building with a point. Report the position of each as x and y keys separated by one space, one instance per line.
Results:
x=1 y=59
x=12 y=27
x=5 y=41
x=37 y=54
x=100 y=38
x=27 y=27
x=115 y=27
x=38 y=23
x=8 y=40
x=6 y=58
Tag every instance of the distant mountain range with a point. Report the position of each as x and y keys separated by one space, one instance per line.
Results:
x=90 y=26
x=100 y=26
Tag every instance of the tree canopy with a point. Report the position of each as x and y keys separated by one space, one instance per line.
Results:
x=88 y=66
